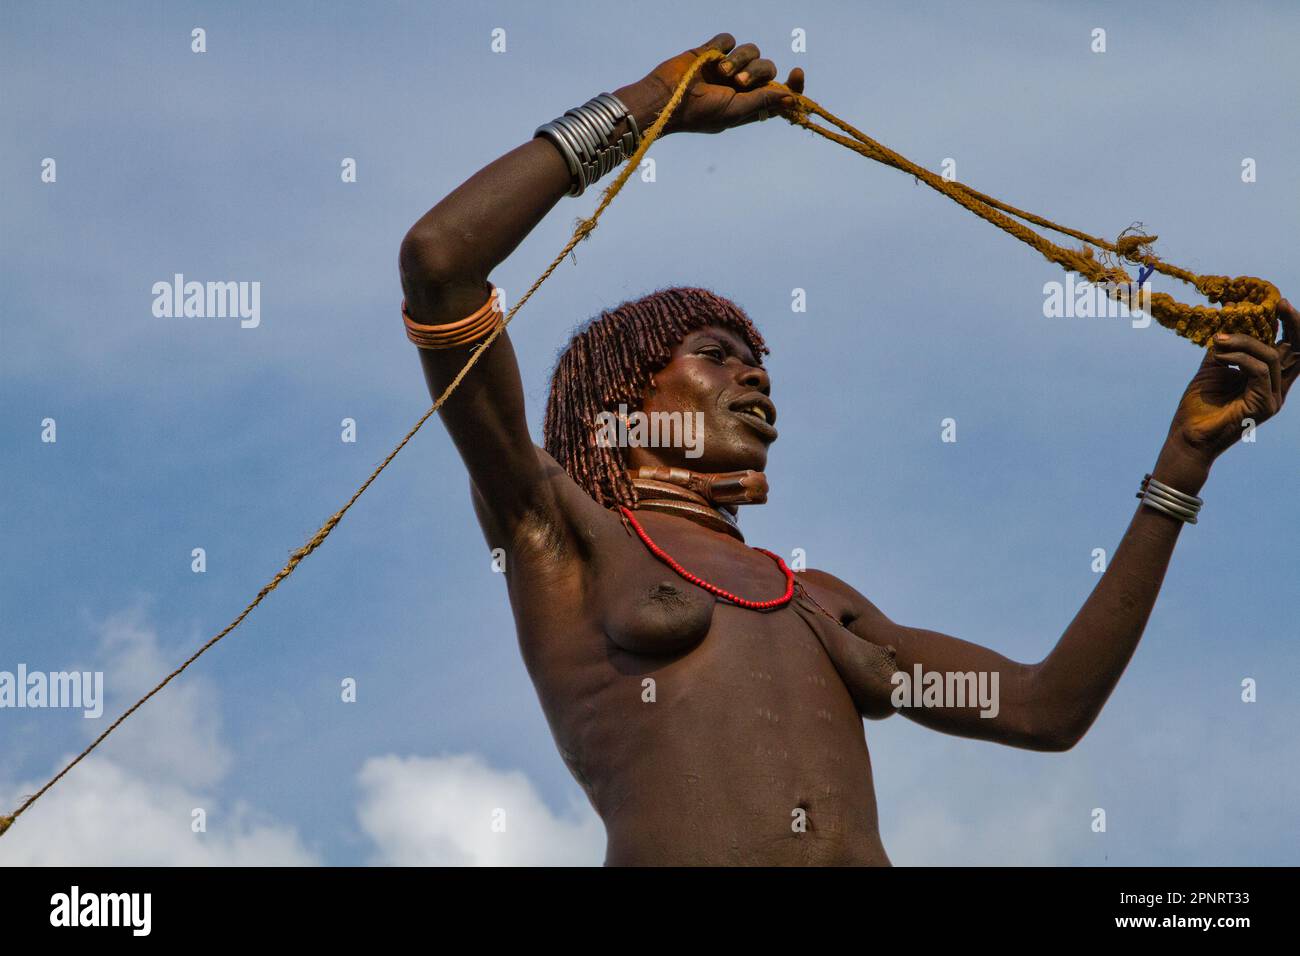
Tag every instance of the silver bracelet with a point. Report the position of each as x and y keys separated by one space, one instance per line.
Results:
x=1156 y=494
x=582 y=137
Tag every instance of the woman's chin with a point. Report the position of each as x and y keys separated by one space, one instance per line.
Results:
x=753 y=458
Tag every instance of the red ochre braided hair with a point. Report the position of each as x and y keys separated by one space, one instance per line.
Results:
x=609 y=362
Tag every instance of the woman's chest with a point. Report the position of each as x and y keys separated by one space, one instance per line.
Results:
x=664 y=598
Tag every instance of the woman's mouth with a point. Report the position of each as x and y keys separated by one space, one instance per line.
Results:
x=758 y=412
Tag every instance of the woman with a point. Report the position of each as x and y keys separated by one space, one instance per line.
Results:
x=710 y=707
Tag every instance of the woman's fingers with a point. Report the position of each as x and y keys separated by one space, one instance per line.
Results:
x=749 y=76
x=756 y=73
x=736 y=61
x=1262 y=351
x=723 y=42
x=757 y=105
x=1259 y=362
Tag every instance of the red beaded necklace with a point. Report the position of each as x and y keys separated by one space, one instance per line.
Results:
x=713 y=589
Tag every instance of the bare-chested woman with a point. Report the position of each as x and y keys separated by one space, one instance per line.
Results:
x=706 y=731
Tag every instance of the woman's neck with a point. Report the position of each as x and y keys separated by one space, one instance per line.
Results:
x=708 y=499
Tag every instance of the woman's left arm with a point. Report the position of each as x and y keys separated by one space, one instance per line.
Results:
x=1051 y=705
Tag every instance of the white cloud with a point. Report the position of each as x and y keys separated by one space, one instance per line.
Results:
x=103 y=814
x=176 y=736
x=439 y=811
x=944 y=831
x=130 y=802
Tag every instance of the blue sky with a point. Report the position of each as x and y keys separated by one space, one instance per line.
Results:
x=183 y=433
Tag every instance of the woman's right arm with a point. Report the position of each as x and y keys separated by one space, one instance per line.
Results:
x=445 y=261
x=447 y=255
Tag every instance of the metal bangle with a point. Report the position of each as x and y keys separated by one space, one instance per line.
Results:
x=1153 y=492
x=573 y=150
x=582 y=137
x=579 y=148
x=1169 y=507
x=1155 y=500
x=604 y=124
x=604 y=104
x=548 y=131
x=552 y=132
x=1190 y=500
x=626 y=144
x=574 y=136
x=1156 y=494
x=632 y=138
x=1169 y=510
x=621 y=112
x=609 y=109
x=586 y=130
x=605 y=155
x=570 y=160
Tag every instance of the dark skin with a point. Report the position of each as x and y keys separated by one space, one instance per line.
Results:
x=757 y=717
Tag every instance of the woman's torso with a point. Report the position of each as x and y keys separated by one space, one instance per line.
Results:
x=702 y=732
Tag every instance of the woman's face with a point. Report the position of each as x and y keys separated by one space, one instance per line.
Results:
x=711 y=404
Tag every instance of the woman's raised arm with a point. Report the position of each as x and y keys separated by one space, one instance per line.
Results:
x=445 y=261
x=448 y=254
x=1050 y=705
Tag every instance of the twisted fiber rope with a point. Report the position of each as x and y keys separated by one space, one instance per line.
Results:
x=580 y=232
x=1249 y=303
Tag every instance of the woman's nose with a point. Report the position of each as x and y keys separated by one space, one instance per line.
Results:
x=756 y=378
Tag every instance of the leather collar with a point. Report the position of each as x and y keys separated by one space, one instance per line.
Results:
x=709 y=499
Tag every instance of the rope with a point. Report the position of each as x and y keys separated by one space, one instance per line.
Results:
x=1249 y=303
x=580 y=232
x=1248 y=306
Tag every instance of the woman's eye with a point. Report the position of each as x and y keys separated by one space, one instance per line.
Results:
x=714 y=353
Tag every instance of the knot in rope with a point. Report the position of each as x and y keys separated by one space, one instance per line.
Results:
x=1134 y=247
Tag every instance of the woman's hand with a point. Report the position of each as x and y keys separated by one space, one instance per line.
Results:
x=1213 y=412
x=728 y=92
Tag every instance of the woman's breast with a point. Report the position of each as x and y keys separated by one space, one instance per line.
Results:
x=659 y=616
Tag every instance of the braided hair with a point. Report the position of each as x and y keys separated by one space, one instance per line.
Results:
x=608 y=362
